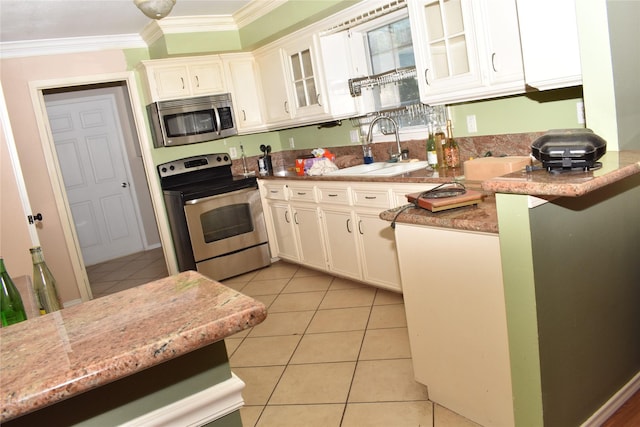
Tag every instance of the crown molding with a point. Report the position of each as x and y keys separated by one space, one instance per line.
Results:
x=70 y=45
x=155 y=30
x=254 y=10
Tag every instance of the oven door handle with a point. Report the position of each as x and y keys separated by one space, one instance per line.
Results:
x=218 y=123
x=218 y=196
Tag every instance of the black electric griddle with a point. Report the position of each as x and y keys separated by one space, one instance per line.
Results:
x=569 y=149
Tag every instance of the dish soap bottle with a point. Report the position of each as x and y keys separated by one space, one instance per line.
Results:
x=367 y=154
x=432 y=152
x=451 y=150
x=11 y=307
x=43 y=283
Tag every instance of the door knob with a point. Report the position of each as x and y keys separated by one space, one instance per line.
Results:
x=34 y=218
x=124 y=185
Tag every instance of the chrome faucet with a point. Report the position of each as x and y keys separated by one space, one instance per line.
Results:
x=394 y=156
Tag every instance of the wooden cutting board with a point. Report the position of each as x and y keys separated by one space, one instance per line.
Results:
x=439 y=204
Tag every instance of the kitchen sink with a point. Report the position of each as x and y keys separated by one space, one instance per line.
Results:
x=380 y=169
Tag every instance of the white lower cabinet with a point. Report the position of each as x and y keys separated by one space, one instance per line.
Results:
x=283 y=237
x=335 y=226
x=379 y=255
x=456 y=318
x=293 y=223
x=340 y=235
x=309 y=236
x=361 y=246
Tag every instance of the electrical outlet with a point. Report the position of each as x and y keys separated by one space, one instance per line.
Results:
x=580 y=112
x=233 y=152
x=292 y=143
x=472 y=126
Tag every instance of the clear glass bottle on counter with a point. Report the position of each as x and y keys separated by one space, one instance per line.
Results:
x=432 y=152
x=43 y=283
x=451 y=150
x=11 y=306
x=440 y=140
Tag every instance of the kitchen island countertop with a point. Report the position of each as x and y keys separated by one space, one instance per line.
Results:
x=616 y=165
x=62 y=354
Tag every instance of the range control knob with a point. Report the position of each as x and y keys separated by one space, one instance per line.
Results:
x=172 y=167
x=219 y=159
x=163 y=169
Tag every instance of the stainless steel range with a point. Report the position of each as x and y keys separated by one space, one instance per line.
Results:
x=216 y=219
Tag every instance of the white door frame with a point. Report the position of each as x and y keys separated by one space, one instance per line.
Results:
x=36 y=89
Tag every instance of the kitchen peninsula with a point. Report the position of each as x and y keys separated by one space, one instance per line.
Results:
x=154 y=353
x=537 y=324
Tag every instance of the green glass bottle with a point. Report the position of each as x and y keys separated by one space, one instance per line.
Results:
x=11 y=307
x=44 y=284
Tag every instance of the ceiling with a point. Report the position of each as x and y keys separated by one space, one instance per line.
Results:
x=33 y=20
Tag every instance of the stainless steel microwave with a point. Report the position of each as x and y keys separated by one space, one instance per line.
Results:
x=191 y=120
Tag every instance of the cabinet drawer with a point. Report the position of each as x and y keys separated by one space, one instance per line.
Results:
x=339 y=196
x=276 y=192
x=371 y=198
x=304 y=193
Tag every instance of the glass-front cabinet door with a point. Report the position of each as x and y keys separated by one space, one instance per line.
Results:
x=304 y=78
x=444 y=46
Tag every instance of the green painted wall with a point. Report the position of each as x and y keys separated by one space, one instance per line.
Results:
x=531 y=112
x=202 y=43
x=291 y=16
x=519 y=293
x=572 y=313
x=586 y=294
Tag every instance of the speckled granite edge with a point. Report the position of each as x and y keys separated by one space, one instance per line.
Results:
x=482 y=217
x=616 y=165
x=62 y=354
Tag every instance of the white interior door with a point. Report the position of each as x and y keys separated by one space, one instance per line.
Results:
x=90 y=151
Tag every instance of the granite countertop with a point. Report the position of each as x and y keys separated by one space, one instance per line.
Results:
x=616 y=165
x=62 y=354
x=421 y=175
x=482 y=217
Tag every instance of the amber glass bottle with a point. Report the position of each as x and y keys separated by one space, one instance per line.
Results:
x=451 y=150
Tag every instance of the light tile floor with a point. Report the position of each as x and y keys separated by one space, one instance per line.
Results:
x=126 y=272
x=332 y=352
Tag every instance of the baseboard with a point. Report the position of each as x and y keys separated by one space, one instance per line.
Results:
x=72 y=303
x=612 y=405
x=198 y=409
x=148 y=247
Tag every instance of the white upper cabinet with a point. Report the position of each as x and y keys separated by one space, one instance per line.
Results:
x=274 y=87
x=184 y=77
x=304 y=77
x=549 y=37
x=466 y=50
x=242 y=76
x=337 y=66
x=294 y=84
x=444 y=47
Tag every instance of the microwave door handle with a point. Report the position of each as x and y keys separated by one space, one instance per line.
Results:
x=218 y=124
